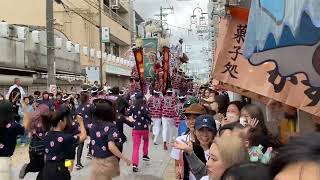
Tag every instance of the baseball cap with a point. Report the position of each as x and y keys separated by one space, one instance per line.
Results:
x=205 y=121
x=195 y=109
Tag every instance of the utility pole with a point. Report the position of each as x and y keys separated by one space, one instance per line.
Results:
x=100 y=41
x=161 y=17
x=50 y=45
x=161 y=27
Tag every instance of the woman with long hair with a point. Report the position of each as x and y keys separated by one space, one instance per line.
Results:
x=225 y=151
x=60 y=146
x=233 y=112
x=257 y=133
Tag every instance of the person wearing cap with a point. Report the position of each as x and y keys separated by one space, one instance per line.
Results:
x=141 y=117
x=191 y=113
x=154 y=105
x=205 y=132
x=168 y=105
x=9 y=131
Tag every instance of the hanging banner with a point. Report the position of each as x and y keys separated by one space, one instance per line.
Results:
x=138 y=55
x=150 y=46
x=236 y=73
x=166 y=58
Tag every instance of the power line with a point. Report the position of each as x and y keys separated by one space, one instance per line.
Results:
x=70 y=9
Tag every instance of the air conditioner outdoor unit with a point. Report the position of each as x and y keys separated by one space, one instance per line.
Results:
x=115 y=4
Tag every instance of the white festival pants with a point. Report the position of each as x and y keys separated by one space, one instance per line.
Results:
x=168 y=129
x=5 y=168
x=156 y=128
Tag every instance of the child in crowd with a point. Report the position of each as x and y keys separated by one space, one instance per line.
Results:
x=140 y=130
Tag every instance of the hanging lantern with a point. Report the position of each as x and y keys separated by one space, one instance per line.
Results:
x=69 y=46
x=22 y=34
x=77 y=48
x=35 y=36
x=104 y=56
x=98 y=54
x=4 y=29
x=109 y=58
x=92 y=53
x=58 y=43
x=85 y=51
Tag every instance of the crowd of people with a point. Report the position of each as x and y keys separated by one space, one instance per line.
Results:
x=207 y=136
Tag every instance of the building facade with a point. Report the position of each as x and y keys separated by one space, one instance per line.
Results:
x=24 y=56
x=78 y=20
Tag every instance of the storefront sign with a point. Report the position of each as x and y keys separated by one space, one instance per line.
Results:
x=105 y=34
x=112 y=69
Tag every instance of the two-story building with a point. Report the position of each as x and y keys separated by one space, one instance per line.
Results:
x=78 y=20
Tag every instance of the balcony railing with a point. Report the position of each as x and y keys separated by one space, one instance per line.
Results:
x=115 y=17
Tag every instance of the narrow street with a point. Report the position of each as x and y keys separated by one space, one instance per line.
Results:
x=160 y=165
